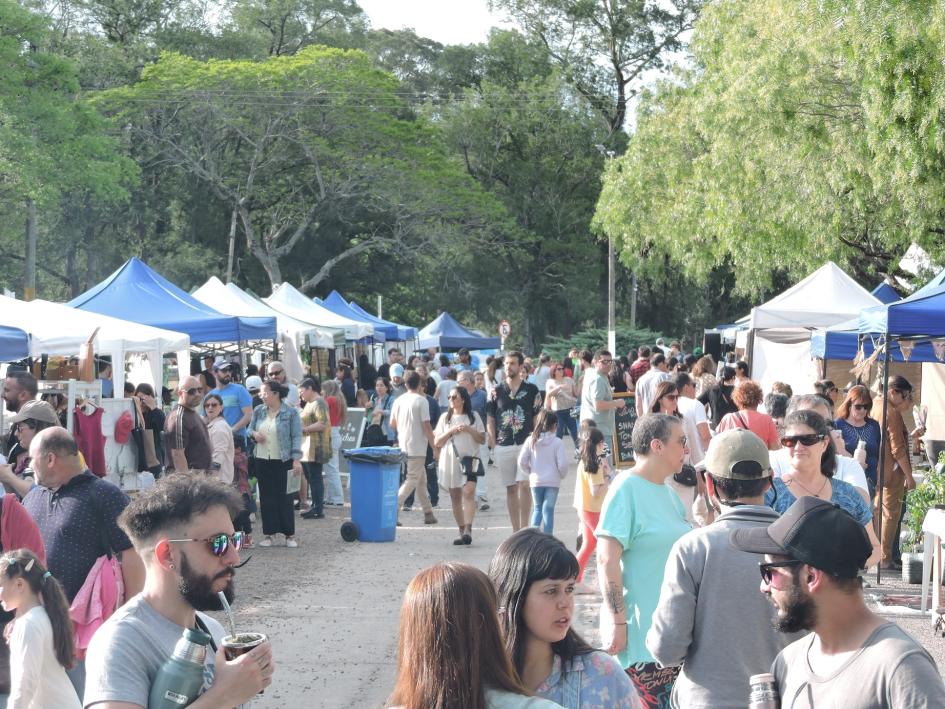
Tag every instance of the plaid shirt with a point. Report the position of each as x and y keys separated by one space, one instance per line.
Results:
x=639 y=368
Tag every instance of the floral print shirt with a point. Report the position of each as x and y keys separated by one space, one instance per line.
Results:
x=514 y=414
x=591 y=681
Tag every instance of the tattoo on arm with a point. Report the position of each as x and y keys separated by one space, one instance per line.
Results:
x=615 y=598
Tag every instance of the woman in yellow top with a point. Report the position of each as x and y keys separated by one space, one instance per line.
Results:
x=593 y=478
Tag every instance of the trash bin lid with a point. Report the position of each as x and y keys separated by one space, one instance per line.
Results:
x=375 y=454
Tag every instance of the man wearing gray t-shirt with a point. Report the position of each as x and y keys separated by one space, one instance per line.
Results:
x=852 y=657
x=597 y=396
x=183 y=530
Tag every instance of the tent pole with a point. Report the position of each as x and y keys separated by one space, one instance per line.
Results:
x=275 y=349
x=750 y=352
x=859 y=346
x=883 y=442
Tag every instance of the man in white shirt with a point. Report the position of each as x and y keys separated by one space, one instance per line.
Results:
x=646 y=385
x=695 y=420
x=410 y=420
x=848 y=469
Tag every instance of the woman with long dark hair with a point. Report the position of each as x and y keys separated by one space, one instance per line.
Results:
x=450 y=653
x=459 y=434
x=666 y=399
x=41 y=640
x=534 y=576
x=593 y=480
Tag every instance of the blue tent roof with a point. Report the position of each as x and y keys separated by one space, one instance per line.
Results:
x=404 y=332
x=939 y=280
x=137 y=293
x=922 y=313
x=886 y=293
x=842 y=341
x=339 y=306
x=14 y=344
x=445 y=333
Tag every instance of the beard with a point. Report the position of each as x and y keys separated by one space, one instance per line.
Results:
x=796 y=613
x=198 y=591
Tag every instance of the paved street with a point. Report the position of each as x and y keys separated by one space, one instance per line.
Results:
x=331 y=608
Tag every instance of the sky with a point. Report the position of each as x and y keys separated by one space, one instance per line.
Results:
x=446 y=21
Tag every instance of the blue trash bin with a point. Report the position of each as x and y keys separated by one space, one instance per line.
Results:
x=373 y=484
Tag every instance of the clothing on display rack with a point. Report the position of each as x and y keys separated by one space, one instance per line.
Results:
x=88 y=436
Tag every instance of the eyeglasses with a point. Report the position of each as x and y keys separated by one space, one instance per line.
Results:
x=194 y=390
x=808 y=440
x=606 y=361
x=219 y=543
x=765 y=569
x=274 y=372
x=860 y=407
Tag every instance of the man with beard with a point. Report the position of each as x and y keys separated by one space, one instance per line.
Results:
x=183 y=530
x=18 y=387
x=76 y=514
x=853 y=657
x=237 y=403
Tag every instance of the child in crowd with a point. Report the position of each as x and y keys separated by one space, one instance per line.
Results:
x=40 y=636
x=593 y=479
x=544 y=459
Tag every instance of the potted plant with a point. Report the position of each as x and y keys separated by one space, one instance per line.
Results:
x=926 y=495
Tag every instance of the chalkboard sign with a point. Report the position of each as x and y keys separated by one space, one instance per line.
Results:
x=351 y=431
x=625 y=418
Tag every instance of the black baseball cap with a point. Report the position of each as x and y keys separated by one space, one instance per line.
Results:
x=814 y=531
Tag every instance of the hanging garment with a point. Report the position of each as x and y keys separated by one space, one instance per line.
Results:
x=88 y=435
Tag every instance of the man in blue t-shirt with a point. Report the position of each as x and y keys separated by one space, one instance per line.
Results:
x=237 y=402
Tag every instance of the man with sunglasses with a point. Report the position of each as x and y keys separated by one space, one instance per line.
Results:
x=185 y=431
x=237 y=402
x=597 y=396
x=852 y=657
x=276 y=370
x=708 y=583
x=182 y=528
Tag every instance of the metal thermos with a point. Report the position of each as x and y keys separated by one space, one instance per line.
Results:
x=180 y=678
x=764 y=692
x=859 y=455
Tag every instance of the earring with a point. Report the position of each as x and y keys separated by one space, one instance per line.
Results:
x=171 y=566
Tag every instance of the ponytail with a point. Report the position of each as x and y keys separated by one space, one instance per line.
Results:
x=24 y=563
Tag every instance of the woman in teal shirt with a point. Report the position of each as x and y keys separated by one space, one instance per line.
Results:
x=640 y=521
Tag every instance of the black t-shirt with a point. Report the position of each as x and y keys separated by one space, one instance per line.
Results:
x=719 y=399
x=383 y=371
x=514 y=415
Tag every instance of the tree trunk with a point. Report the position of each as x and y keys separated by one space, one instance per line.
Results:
x=29 y=281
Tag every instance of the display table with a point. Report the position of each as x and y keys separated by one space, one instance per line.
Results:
x=934 y=528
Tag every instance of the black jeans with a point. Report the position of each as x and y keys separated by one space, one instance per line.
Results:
x=433 y=481
x=278 y=514
x=316 y=483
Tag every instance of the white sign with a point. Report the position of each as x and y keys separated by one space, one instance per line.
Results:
x=505 y=329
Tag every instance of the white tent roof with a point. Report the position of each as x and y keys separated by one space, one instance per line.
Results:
x=826 y=297
x=231 y=300
x=287 y=299
x=57 y=329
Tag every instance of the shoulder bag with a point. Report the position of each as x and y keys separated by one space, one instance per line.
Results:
x=469 y=465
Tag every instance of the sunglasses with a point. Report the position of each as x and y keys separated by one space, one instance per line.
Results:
x=860 y=407
x=194 y=390
x=276 y=371
x=219 y=543
x=211 y=405
x=905 y=394
x=808 y=440
x=765 y=569
x=453 y=397
x=671 y=397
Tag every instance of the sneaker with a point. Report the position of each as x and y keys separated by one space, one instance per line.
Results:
x=312 y=514
x=483 y=506
x=428 y=518
x=267 y=542
x=405 y=508
x=291 y=542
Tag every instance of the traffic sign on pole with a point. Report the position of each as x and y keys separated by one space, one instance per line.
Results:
x=505 y=329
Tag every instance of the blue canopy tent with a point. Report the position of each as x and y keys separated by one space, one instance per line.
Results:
x=842 y=341
x=939 y=280
x=137 y=293
x=14 y=344
x=921 y=314
x=885 y=293
x=405 y=333
x=336 y=304
x=446 y=334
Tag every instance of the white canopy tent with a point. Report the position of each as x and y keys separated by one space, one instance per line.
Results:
x=780 y=330
x=287 y=299
x=57 y=329
x=230 y=299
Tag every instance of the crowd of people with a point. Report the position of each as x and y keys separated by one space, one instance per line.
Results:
x=725 y=479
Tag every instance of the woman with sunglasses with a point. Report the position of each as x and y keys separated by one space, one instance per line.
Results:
x=813 y=464
x=459 y=434
x=561 y=397
x=665 y=399
x=534 y=575
x=221 y=438
x=856 y=426
x=747 y=397
x=276 y=428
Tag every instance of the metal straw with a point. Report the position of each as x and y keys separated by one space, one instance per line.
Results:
x=228 y=611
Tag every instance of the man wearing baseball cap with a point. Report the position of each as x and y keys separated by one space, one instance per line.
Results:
x=853 y=657
x=710 y=589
